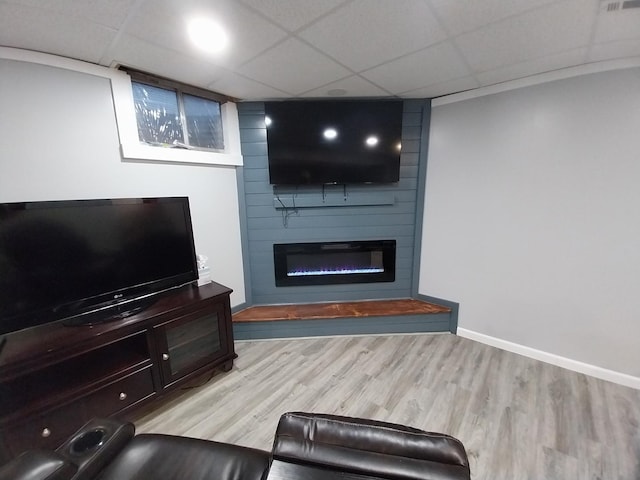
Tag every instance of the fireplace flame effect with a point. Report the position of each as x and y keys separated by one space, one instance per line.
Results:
x=336 y=271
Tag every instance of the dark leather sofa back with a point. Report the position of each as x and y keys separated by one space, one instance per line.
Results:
x=306 y=445
x=370 y=447
x=38 y=465
x=155 y=456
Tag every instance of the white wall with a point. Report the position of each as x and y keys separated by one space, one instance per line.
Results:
x=532 y=219
x=58 y=140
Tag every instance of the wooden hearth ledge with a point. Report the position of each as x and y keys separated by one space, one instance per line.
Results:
x=338 y=310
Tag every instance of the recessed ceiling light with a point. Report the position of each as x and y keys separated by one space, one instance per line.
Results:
x=207 y=35
x=371 y=141
x=330 y=133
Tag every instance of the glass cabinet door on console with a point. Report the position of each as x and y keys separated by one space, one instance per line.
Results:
x=191 y=341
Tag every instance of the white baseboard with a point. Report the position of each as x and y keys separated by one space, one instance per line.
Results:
x=576 y=366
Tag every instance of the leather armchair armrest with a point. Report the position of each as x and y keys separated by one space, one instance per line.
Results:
x=38 y=465
x=369 y=447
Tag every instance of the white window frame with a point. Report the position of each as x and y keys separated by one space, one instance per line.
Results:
x=122 y=93
x=132 y=148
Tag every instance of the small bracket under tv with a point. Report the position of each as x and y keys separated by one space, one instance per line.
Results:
x=324 y=191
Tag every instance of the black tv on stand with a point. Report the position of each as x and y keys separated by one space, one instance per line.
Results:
x=88 y=261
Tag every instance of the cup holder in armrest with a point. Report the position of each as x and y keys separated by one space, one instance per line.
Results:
x=94 y=446
x=88 y=441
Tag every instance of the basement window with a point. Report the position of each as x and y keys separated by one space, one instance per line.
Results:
x=171 y=117
x=160 y=120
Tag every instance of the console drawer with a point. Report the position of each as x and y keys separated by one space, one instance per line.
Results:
x=47 y=431
x=120 y=395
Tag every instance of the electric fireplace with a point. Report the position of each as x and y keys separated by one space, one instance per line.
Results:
x=327 y=263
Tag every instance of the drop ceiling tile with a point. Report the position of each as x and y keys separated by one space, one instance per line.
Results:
x=293 y=14
x=533 y=67
x=613 y=50
x=36 y=29
x=162 y=23
x=366 y=33
x=437 y=90
x=353 y=86
x=135 y=53
x=111 y=13
x=243 y=88
x=294 y=67
x=500 y=40
x=430 y=66
x=617 y=25
x=559 y=27
x=461 y=16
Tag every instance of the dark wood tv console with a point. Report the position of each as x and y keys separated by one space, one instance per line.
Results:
x=54 y=378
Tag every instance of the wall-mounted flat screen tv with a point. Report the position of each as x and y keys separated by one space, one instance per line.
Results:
x=80 y=259
x=333 y=142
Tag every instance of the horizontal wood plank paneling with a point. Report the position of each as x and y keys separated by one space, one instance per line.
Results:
x=267 y=224
x=399 y=207
x=341 y=326
x=342 y=222
x=340 y=200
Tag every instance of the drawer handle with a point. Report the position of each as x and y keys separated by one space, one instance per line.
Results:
x=165 y=356
x=46 y=432
x=122 y=396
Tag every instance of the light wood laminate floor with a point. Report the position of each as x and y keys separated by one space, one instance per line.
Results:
x=517 y=417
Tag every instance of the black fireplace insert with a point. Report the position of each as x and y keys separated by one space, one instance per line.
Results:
x=327 y=263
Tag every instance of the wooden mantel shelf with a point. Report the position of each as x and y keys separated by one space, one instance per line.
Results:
x=315 y=311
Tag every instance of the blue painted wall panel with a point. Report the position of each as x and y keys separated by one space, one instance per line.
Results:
x=338 y=326
x=267 y=224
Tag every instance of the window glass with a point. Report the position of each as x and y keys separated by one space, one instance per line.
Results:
x=204 y=122
x=157 y=114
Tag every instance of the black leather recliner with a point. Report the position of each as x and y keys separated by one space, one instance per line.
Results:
x=306 y=446
x=368 y=447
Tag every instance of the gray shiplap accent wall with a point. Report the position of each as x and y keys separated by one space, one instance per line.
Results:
x=266 y=225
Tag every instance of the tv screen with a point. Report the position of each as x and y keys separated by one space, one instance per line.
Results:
x=66 y=258
x=333 y=142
